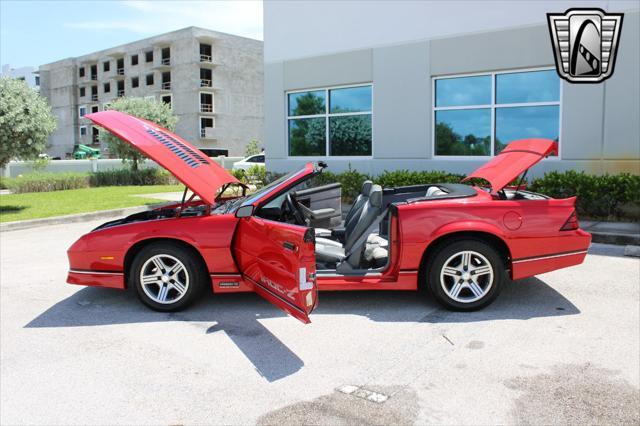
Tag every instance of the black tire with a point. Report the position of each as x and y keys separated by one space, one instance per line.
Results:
x=469 y=297
x=193 y=269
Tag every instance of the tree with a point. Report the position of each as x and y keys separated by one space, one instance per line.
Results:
x=252 y=148
x=26 y=121
x=149 y=109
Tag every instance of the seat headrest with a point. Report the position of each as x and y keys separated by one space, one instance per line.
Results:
x=375 y=196
x=366 y=188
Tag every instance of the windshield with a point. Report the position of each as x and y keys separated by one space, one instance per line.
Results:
x=252 y=198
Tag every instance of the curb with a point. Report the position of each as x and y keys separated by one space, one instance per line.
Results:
x=71 y=218
x=618 y=239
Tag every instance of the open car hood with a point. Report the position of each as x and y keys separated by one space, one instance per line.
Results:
x=186 y=162
x=516 y=158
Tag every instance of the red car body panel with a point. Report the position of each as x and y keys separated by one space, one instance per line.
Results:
x=513 y=160
x=186 y=162
x=277 y=260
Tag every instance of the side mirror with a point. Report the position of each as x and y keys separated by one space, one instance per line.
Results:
x=244 y=211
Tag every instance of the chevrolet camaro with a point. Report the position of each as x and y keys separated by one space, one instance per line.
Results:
x=290 y=238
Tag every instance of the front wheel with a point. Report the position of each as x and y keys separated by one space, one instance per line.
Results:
x=167 y=277
x=466 y=275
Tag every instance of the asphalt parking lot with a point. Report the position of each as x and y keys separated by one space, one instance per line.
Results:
x=560 y=348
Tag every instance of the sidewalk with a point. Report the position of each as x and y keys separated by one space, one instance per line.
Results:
x=621 y=233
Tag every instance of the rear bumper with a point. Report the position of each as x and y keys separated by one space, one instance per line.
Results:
x=575 y=245
x=107 y=279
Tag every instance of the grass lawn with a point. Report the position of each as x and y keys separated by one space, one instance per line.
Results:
x=36 y=205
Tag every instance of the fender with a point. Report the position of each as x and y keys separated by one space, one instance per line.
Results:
x=468 y=226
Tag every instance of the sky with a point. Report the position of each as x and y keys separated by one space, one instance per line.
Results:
x=38 y=32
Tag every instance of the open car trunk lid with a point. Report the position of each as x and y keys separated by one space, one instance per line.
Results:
x=186 y=162
x=515 y=159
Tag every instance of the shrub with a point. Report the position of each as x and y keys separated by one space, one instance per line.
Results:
x=351 y=181
x=124 y=177
x=406 y=178
x=598 y=196
x=45 y=182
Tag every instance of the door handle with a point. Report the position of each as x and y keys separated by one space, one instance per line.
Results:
x=290 y=246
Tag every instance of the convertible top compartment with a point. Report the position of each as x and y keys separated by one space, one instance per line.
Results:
x=436 y=191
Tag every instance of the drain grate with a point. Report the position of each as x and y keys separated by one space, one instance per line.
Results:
x=363 y=393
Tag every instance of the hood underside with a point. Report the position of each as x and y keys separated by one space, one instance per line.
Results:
x=515 y=159
x=186 y=162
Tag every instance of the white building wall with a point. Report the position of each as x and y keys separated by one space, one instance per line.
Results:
x=296 y=29
x=25 y=73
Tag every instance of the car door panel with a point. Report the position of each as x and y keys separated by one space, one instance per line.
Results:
x=323 y=197
x=279 y=260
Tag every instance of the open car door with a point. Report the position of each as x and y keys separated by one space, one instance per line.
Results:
x=279 y=260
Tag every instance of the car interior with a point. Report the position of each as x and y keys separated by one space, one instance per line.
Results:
x=355 y=241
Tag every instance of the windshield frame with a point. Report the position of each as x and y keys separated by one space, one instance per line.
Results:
x=275 y=187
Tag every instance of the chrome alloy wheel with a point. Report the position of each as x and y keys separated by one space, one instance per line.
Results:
x=466 y=277
x=164 y=279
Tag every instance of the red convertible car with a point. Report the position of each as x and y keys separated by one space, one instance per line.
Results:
x=288 y=240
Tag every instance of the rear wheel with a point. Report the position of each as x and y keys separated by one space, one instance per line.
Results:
x=167 y=277
x=465 y=275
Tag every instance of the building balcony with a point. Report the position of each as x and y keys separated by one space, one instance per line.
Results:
x=165 y=61
x=120 y=93
x=205 y=83
x=165 y=86
x=206 y=59
x=94 y=77
x=210 y=133
x=94 y=98
x=206 y=108
x=120 y=71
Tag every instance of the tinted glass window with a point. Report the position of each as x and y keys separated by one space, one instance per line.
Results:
x=307 y=136
x=535 y=86
x=307 y=103
x=526 y=122
x=463 y=132
x=353 y=99
x=350 y=135
x=260 y=159
x=463 y=91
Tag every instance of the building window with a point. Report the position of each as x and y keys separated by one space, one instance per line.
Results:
x=106 y=87
x=334 y=122
x=82 y=110
x=83 y=131
x=134 y=60
x=166 y=56
x=206 y=102
x=205 y=53
x=82 y=92
x=81 y=72
x=120 y=66
x=135 y=81
x=106 y=65
x=37 y=80
x=95 y=135
x=166 y=99
x=148 y=56
x=120 y=88
x=205 y=124
x=149 y=79
x=94 y=109
x=479 y=115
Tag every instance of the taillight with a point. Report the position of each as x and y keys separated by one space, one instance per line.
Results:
x=572 y=223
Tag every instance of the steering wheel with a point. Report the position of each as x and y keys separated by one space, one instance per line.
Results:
x=292 y=206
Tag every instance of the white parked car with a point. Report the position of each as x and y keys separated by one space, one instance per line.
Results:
x=250 y=161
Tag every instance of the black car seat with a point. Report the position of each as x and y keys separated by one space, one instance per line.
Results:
x=354 y=211
x=350 y=253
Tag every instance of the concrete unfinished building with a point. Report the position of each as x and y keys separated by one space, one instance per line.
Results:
x=213 y=82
